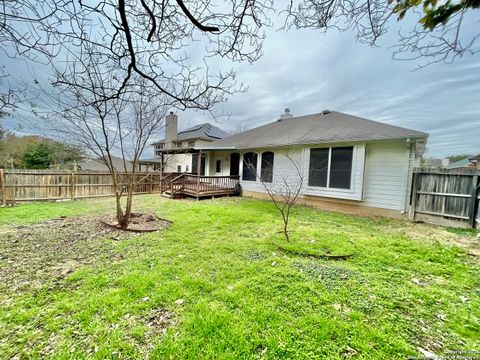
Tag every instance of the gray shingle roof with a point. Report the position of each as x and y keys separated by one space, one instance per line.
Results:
x=315 y=129
x=99 y=165
x=459 y=164
x=205 y=131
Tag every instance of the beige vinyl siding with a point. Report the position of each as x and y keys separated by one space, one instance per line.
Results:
x=171 y=162
x=212 y=157
x=386 y=174
x=282 y=168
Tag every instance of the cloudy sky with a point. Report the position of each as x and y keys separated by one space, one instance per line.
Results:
x=309 y=72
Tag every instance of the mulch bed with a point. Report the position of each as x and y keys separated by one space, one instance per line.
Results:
x=140 y=222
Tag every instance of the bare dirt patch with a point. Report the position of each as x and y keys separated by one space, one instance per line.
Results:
x=159 y=320
x=140 y=222
x=45 y=253
x=424 y=232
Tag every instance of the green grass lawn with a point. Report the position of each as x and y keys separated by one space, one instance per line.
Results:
x=215 y=286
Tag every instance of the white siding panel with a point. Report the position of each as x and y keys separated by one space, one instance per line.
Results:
x=386 y=174
x=224 y=157
x=283 y=168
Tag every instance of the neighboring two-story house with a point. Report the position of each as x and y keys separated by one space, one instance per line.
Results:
x=176 y=151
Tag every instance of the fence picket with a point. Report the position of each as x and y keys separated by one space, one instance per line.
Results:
x=446 y=197
x=28 y=185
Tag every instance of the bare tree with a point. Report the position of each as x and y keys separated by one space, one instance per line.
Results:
x=172 y=43
x=154 y=40
x=84 y=113
x=240 y=127
x=282 y=186
x=443 y=31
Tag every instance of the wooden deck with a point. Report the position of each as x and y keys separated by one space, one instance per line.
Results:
x=180 y=185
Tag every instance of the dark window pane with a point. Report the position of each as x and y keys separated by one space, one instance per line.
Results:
x=218 y=166
x=235 y=164
x=341 y=167
x=267 y=166
x=249 y=166
x=318 y=169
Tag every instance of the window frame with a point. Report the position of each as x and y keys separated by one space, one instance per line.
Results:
x=191 y=143
x=179 y=168
x=328 y=187
x=261 y=166
x=218 y=166
x=243 y=166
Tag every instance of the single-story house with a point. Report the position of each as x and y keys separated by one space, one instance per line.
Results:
x=346 y=162
x=472 y=162
x=176 y=152
x=98 y=165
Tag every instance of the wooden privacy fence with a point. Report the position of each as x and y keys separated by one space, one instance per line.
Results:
x=16 y=185
x=446 y=197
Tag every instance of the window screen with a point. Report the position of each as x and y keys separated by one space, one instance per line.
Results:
x=249 y=166
x=341 y=167
x=267 y=166
x=318 y=170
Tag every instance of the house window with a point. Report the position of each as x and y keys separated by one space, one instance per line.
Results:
x=179 y=168
x=267 y=166
x=186 y=168
x=331 y=167
x=218 y=166
x=160 y=146
x=191 y=143
x=249 y=166
x=318 y=169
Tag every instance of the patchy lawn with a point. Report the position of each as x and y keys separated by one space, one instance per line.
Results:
x=215 y=285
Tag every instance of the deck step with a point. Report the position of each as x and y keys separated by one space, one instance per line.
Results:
x=167 y=194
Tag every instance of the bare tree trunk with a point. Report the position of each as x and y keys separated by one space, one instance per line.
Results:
x=285 y=224
x=128 y=207
x=285 y=228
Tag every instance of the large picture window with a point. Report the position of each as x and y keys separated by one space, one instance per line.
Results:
x=331 y=167
x=249 y=166
x=267 y=166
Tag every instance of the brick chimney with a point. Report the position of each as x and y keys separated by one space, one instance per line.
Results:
x=171 y=123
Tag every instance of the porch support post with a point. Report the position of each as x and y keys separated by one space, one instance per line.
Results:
x=199 y=170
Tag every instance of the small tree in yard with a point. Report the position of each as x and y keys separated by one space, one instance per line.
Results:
x=106 y=125
x=283 y=189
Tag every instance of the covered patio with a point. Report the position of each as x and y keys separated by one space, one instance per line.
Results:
x=206 y=179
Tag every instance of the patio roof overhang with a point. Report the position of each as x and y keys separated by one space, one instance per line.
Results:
x=213 y=148
x=179 y=151
x=150 y=161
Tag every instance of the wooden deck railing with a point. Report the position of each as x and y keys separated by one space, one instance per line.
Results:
x=165 y=181
x=200 y=185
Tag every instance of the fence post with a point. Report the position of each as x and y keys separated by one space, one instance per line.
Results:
x=72 y=186
x=473 y=201
x=413 y=206
x=4 y=194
